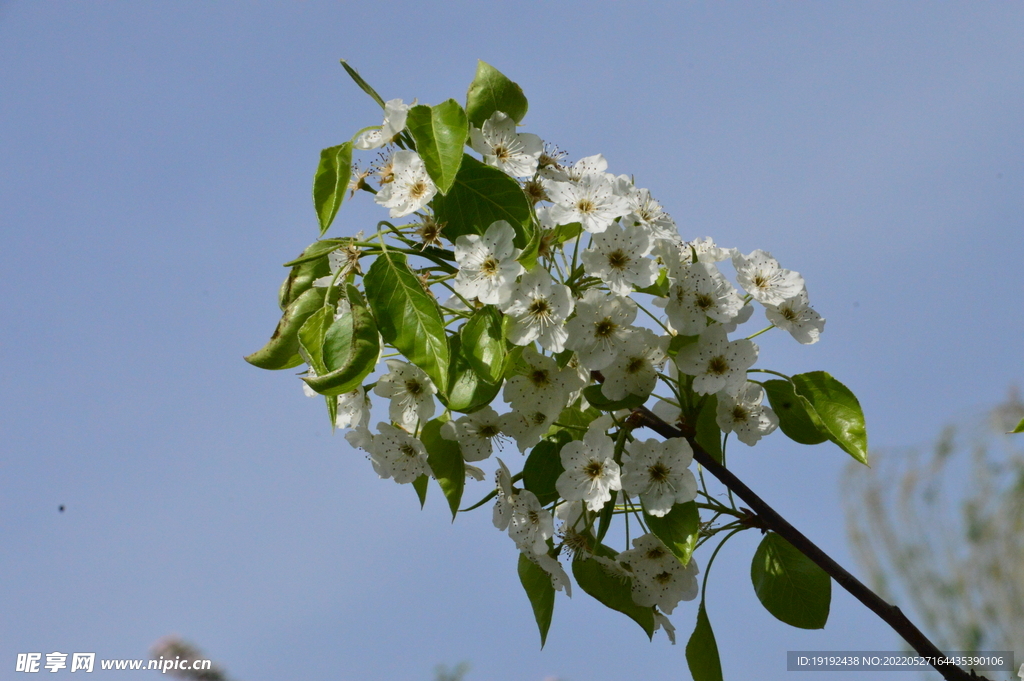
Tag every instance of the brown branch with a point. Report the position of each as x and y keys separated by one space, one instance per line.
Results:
x=890 y=614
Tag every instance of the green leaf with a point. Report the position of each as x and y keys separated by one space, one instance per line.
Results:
x=597 y=399
x=440 y=133
x=797 y=417
x=789 y=585
x=1018 y=429
x=311 y=337
x=611 y=590
x=282 y=350
x=354 y=75
x=332 y=409
x=480 y=196
x=467 y=391
x=679 y=342
x=420 y=485
x=709 y=435
x=544 y=465
x=317 y=250
x=838 y=409
x=351 y=348
x=483 y=343
x=702 y=650
x=301 y=278
x=491 y=91
x=331 y=182
x=407 y=316
x=678 y=529
x=541 y=593
x=445 y=459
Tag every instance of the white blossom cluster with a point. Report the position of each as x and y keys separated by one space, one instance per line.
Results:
x=576 y=316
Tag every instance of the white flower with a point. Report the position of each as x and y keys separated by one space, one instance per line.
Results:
x=559 y=580
x=529 y=424
x=592 y=201
x=475 y=433
x=658 y=576
x=744 y=315
x=411 y=188
x=591 y=165
x=760 y=275
x=659 y=473
x=503 y=504
x=600 y=328
x=353 y=409
x=530 y=525
x=660 y=621
x=707 y=251
x=635 y=370
x=616 y=256
x=542 y=382
x=716 y=363
x=649 y=213
x=744 y=414
x=514 y=153
x=394 y=453
x=798 y=317
x=699 y=292
x=411 y=392
x=538 y=309
x=395 y=113
x=591 y=473
x=487 y=264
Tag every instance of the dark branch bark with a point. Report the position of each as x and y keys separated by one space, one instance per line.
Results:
x=890 y=614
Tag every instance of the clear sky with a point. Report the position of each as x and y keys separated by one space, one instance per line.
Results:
x=155 y=170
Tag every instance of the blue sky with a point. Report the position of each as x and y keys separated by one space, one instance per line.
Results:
x=155 y=170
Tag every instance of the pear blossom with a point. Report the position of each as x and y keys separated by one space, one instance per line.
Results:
x=744 y=414
x=475 y=433
x=742 y=317
x=532 y=422
x=503 y=503
x=530 y=524
x=538 y=309
x=393 y=452
x=353 y=409
x=760 y=275
x=648 y=213
x=559 y=579
x=591 y=474
x=591 y=201
x=716 y=363
x=798 y=317
x=411 y=187
x=411 y=392
x=541 y=381
x=700 y=292
x=600 y=328
x=662 y=622
x=395 y=113
x=591 y=165
x=635 y=370
x=502 y=147
x=658 y=576
x=658 y=472
x=617 y=257
x=487 y=264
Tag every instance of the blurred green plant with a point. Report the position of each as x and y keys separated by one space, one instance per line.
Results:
x=942 y=530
